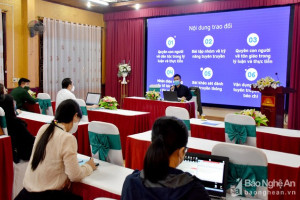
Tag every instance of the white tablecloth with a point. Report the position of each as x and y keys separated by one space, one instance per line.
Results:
x=143 y=98
x=274 y=157
x=265 y=129
x=107 y=177
x=120 y=112
x=36 y=117
x=40 y=118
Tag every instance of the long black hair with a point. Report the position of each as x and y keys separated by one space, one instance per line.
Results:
x=64 y=114
x=168 y=135
x=7 y=103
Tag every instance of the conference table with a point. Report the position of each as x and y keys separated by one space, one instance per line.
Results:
x=127 y=121
x=106 y=181
x=156 y=108
x=6 y=168
x=36 y=107
x=35 y=121
x=282 y=167
x=277 y=139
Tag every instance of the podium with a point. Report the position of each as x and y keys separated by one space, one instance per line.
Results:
x=272 y=104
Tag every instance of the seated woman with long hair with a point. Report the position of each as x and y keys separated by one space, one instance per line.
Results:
x=22 y=140
x=160 y=179
x=53 y=163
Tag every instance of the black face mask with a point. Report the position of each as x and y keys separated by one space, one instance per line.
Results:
x=27 y=88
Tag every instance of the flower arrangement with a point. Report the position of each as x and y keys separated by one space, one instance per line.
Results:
x=268 y=81
x=256 y=115
x=108 y=103
x=32 y=93
x=124 y=69
x=152 y=95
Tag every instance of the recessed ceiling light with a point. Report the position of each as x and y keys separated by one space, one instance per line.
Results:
x=137 y=6
x=88 y=4
x=100 y=2
x=199 y=1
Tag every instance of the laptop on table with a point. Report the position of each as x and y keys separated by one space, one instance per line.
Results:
x=211 y=170
x=170 y=96
x=92 y=98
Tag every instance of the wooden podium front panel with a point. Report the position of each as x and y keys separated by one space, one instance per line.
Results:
x=272 y=107
x=272 y=104
x=270 y=113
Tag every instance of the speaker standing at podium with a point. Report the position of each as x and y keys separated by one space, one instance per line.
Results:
x=182 y=90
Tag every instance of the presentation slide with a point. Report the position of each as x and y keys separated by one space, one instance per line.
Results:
x=221 y=53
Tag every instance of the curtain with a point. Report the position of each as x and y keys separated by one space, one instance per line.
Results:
x=294 y=106
x=125 y=42
x=1 y=51
x=208 y=6
x=71 y=51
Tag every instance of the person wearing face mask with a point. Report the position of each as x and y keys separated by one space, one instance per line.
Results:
x=183 y=91
x=160 y=179
x=21 y=95
x=53 y=164
x=67 y=93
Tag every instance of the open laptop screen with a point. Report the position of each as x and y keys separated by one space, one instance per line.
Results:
x=92 y=98
x=211 y=170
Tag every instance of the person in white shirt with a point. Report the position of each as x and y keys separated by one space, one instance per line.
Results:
x=66 y=92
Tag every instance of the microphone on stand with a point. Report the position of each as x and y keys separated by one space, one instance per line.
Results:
x=277 y=76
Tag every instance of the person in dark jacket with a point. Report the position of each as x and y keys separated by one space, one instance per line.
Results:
x=21 y=95
x=183 y=91
x=21 y=139
x=160 y=179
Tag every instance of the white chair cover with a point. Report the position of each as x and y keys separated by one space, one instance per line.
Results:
x=45 y=96
x=114 y=156
x=180 y=113
x=19 y=173
x=241 y=120
x=82 y=105
x=3 y=121
x=244 y=155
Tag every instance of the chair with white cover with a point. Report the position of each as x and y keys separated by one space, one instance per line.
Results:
x=105 y=142
x=82 y=105
x=45 y=105
x=180 y=113
x=3 y=121
x=240 y=129
x=19 y=174
x=248 y=170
